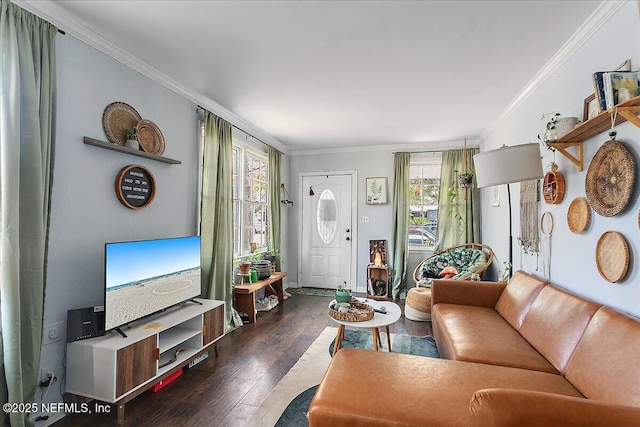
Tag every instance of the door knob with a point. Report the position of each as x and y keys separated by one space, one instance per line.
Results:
x=348 y=238
x=348 y=230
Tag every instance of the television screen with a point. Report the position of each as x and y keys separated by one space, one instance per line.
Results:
x=148 y=276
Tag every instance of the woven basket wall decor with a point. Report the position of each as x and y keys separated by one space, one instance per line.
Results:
x=610 y=179
x=150 y=137
x=116 y=119
x=578 y=215
x=612 y=256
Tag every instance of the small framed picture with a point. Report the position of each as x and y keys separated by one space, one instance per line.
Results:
x=376 y=189
x=591 y=108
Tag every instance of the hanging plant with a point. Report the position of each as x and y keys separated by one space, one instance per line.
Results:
x=465 y=179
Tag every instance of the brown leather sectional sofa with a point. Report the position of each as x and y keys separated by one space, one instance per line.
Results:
x=523 y=354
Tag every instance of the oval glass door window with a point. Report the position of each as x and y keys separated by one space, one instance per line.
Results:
x=327 y=221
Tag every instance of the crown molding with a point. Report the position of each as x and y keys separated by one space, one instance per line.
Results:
x=597 y=19
x=417 y=147
x=48 y=10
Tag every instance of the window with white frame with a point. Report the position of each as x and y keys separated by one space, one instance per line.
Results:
x=424 y=190
x=250 y=215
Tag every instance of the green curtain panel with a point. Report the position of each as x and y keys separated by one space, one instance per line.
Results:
x=216 y=222
x=27 y=133
x=400 y=219
x=458 y=208
x=273 y=199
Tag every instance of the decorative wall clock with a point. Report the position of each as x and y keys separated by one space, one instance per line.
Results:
x=553 y=186
x=610 y=179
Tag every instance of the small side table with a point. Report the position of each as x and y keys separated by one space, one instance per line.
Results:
x=379 y=320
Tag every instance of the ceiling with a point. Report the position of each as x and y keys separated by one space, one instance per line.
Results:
x=317 y=75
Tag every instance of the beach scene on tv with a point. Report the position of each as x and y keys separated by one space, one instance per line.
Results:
x=148 y=276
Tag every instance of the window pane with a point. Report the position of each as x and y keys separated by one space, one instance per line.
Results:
x=250 y=192
x=326 y=216
x=424 y=184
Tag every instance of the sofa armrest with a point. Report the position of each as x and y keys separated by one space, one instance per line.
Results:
x=466 y=292
x=505 y=407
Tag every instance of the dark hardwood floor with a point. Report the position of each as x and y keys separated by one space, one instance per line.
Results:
x=226 y=390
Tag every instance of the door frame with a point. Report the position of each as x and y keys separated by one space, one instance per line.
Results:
x=354 y=221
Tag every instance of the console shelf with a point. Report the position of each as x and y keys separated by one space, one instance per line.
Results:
x=127 y=150
x=115 y=369
x=625 y=111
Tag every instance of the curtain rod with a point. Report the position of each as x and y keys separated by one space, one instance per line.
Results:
x=242 y=130
x=430 y=151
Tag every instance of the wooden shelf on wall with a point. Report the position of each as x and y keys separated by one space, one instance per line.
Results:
x=625 y=111
x=127 y=150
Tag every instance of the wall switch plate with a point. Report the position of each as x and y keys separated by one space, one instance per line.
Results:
x=365 y=219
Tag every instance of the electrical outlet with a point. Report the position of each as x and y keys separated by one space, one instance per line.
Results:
x=44 y=372
x=54 y=332
x=365 y=219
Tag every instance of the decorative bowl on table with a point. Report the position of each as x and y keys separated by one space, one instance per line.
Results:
x=358 y=312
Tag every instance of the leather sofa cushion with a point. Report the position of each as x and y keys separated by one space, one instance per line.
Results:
x=517 y=297
x=368 y=388
x=481 y=335
x=606 y=363
x=555 y=323
x=536 y=409
x=466 y=292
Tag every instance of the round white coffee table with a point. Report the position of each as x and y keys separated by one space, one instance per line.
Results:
x=379 y=320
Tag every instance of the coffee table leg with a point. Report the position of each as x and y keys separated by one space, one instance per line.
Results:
x=388 y=338
x=338 y=341
x=376 y=338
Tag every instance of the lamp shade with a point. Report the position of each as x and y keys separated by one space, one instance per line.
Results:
x=508 y=164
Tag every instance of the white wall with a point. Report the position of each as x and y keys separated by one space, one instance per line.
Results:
x=85 y=212
x=573 y=256
x=375 y=163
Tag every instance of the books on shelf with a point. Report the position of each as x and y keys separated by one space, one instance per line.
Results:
x=614 y=87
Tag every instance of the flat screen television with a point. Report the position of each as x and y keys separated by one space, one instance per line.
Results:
x=147 y=276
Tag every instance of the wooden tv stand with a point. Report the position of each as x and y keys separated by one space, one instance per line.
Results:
x=114 y=369
x=245 y=294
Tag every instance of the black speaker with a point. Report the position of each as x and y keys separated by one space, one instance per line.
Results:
x=85 y=323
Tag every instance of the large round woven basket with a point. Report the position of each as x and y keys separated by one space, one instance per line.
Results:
x=612 y=256
x=358 y=312
x=116 y=119
x=610 y=179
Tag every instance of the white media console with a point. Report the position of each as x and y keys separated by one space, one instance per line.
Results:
x=115 y=369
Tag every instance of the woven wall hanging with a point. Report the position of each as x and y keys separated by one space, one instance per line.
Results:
x=610 y=179
x=529 y=236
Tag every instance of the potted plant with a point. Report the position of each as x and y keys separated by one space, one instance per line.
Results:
x=132 y=138
x=275 y=257
x=343 y=294
x=556 y=127
x=465 y=179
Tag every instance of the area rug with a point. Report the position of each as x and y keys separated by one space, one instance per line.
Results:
x=289 y=400
x=318 y=292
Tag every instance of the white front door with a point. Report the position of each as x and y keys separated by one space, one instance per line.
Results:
x=327 y=232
